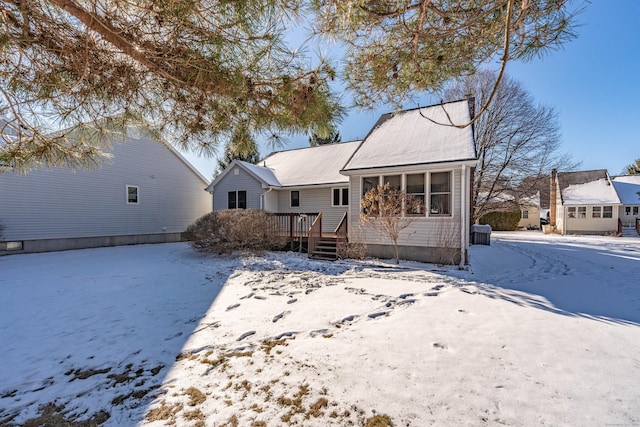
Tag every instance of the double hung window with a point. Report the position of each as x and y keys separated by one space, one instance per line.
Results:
x=237 y=200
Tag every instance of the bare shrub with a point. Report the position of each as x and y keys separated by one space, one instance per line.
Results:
x=245 y=230
x=447 y=245
x=355 y=248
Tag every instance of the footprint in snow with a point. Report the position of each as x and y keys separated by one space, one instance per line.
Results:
x=378 y=314
x=318 y=332
x=285 y=335
x=439 y=345
x=291 y=301
x=280 y=316
x=431 y=294
x=405 y=296
x=260 y=297
x=246 y=335
x=349 y=319
x=231 y=307
x=248 y=296
x=170 y=337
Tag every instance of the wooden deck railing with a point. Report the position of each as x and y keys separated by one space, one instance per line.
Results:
x=341 y=229
x=294 y=226
x=619 y=227
x=638 y=225
x=315 y=234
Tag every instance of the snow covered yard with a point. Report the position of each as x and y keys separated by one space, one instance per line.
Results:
x=541 y=330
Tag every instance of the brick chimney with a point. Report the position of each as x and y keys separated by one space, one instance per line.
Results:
x=553 y=197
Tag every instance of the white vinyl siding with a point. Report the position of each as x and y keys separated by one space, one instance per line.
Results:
x=58 y=203
x=233 y=182
x=430 y=231
x=589 y=219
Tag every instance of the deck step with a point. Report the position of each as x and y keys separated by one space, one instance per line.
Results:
x=326 y=249
x=629 y=232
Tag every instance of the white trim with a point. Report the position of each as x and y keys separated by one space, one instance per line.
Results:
x=126 y=194
x=464 y=218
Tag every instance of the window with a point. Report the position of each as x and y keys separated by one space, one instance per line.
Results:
x=525 y=214
x=440 y=201
x=10 y=246
x=596 y=212
x=582 y=212
x=635 y=210
x=627 y=210
x=132 y=194
x=237 y=200
x=571 y=212
x=340 y=197
x=295 y=199
x=394 y=181
x=607 y=212
x=415 y=188
x=368 y=183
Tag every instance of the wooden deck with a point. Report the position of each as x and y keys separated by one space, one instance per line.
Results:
x=303 y=231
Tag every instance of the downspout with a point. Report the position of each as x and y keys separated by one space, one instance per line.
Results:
x=464 y=197
x=262 y=196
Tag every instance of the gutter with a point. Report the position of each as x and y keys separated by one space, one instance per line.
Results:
x=262 y=198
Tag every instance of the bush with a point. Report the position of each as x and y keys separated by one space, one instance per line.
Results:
x=501 y=221
x=223 y=232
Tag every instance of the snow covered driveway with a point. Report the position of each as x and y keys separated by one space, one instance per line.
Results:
x=542 y=330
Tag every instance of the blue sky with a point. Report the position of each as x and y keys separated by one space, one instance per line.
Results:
x=592 y=82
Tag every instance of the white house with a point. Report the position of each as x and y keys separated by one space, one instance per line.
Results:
x=146 y=193
x=628 y=189
x=584 y=202
x=416 y=150
x=306 y=180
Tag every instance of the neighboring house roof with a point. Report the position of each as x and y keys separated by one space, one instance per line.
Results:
x=587 y=188
x=533 y=201
x=410 y=138
x=311 y=166
x=628 y=188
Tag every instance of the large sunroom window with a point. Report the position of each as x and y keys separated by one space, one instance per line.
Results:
x=440 y=194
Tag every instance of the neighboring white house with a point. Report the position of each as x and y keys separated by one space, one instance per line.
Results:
x=628 y=189
x=146 y=193
x=530 y=214
x=416 y=150
x=584 y=202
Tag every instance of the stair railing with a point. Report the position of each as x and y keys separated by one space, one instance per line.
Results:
x=342 y=230
x=315 y=234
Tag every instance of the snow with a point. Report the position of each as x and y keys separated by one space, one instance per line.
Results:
x=540 y=330
x=599 y=192
x=628 y=188
x=265 y=174
x=311 y=166
x=408 y=138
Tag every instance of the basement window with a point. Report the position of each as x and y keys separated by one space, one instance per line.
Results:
x=10 y=246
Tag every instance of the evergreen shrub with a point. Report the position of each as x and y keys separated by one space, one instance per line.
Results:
x=501 y=221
